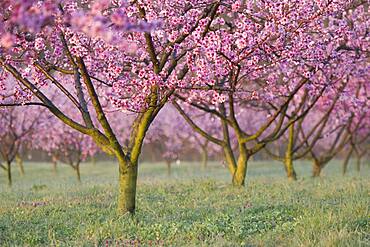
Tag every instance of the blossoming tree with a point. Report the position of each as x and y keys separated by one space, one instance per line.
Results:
x=111 y=53
x=17 y=130
x=264 y=55
x=65 y=144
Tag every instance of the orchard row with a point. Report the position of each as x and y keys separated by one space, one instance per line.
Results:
x=290 y=78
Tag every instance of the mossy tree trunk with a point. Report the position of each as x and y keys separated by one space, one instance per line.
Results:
x=128 y=163
x=241 y=166
x=289 y=168
x=288 y=161
x=127 y=188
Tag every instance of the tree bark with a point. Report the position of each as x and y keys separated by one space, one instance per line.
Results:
x=127 y=188
x=77 y=169
x=128 y=163
x=229 y=159
x=241 y=167
x=288 y=162
x=9 y=173
x=19 y=161
x=346 y=161
x=316 y=170
x=240 y=173
x=289 y=168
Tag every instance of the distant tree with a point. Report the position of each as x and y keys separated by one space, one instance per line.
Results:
x=17 y=129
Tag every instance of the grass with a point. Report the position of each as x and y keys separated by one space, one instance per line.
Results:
x=194 y=207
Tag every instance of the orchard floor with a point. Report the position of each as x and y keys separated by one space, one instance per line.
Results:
x=193 y=207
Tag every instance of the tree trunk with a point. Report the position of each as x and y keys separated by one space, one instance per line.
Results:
x=128 y=164
x=288 y=162
x=127 y=188
x=239 y=176
x=168 y=162
x=316 y=170
x=241 y=168
x=346 y=161
x=9 y=172
x=204 y=157
x=289 y=168
x=230 y=159
x=358 y=164
x=77 y=169
x=19 y=161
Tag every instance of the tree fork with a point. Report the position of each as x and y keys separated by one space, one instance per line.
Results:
x=241 y=167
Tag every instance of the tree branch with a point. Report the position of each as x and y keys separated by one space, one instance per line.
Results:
x=98 y=109
x=196 y=127
x=23 y=104
x=80 y=94
x=58 y=113
x=60 y=86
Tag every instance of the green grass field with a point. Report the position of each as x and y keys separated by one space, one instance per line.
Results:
x=194 y=207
